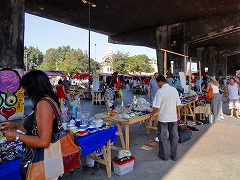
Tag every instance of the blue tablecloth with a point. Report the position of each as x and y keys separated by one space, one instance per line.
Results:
x=89 y=144
x=92 y=142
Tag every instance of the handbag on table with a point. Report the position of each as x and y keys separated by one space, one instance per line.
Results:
x=62 y=155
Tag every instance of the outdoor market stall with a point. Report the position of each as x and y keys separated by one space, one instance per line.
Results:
x=188 y=109
x=127 y=122
x=89 y=144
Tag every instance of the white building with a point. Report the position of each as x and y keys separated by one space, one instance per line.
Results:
x=107 y=60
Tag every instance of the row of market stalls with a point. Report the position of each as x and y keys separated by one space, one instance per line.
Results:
x=85 y=75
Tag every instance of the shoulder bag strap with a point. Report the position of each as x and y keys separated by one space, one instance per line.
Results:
x=53 y=107
x=58 y=117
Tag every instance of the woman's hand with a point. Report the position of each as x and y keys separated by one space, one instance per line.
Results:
x=8 y=126
x=10 y=135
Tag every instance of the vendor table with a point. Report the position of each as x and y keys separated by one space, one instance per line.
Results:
x=125 y=143
x=204 y=111
x=189 y=110
x=73 y=94
x=89 y=144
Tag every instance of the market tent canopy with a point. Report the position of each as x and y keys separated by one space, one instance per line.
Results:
x=54 y=73
x=80 y=74
x=105 y=74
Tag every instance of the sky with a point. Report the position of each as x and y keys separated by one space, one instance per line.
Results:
x=43 y=34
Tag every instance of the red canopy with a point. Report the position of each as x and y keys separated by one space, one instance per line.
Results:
x=80 y=74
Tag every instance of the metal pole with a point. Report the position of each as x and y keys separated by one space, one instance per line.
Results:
x=95 y=52
x=190 y=78
x=89 y=38
x=26 y=62
x=200 y=76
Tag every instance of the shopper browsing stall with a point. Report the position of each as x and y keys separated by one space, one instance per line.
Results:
x=216 y=100
x=167 y=106
x=38 y=88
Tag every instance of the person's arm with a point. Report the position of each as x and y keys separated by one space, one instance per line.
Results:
x=148 y=94
x=208 y=86
x=178 y=111
x=225 y=90
x=153 y=114
x=238 y=89
x=64 y=91
x=44 y=118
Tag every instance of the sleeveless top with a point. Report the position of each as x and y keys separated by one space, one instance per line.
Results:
x=29 y=124
x=59 y=91
x=233 y=91
x=215 y=88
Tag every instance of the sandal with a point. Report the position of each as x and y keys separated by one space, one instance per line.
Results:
x=231 y=116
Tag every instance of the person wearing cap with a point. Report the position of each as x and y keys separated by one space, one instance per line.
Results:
x=167 y=106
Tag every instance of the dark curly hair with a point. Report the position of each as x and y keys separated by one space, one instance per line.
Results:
x=36 y=85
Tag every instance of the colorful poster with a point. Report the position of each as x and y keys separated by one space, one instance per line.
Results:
x=11 y=96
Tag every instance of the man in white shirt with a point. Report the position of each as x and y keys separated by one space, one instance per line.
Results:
x=167 y=106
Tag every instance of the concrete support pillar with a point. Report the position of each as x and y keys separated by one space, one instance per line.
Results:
x=11 y=34
x=162 y=42
x=212 y=60
x=11 y=59
x=226 y=65
x=199 y=57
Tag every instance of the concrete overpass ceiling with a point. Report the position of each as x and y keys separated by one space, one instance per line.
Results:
x=112 y=17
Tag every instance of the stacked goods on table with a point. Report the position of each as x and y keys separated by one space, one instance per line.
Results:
x=124 y=163
x=9 y=150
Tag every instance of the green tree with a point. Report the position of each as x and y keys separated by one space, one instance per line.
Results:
x=50 y=60
x=71 y=63
x=119 y=61
x=33 y=57
x=94 y=65
x=138 y=63
x=68 y=60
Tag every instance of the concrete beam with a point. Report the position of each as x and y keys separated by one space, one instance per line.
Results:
x=228 y=51
x=206 y=29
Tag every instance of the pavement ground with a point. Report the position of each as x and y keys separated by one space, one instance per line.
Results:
x=212 y=153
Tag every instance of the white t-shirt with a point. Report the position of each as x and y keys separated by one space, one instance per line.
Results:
x=166 y=100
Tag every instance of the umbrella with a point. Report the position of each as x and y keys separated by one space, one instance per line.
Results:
x=80 y=74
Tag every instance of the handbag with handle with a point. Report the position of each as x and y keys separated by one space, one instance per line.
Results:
x=209 y=94
x=62 y=155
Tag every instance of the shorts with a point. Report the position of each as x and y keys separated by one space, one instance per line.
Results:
x=233 y=103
